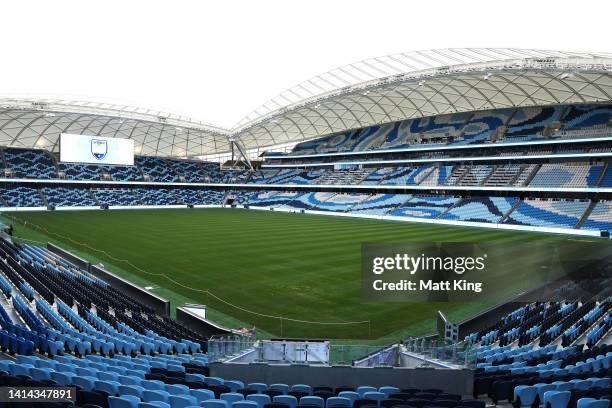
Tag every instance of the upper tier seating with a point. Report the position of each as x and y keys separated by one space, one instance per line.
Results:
x=188 y=171
x=548 y=213
x=436 y=176
x=76 y=171
x=465 y=175
x=24 y=163
x=262 y=176
x=444 y=126
x=586 y=116
x=306 y=177
x=566 y=175
x=397 y=175
x=343 y=176
x=503 y=175
x=156 y=169
x=527 y=123
x=282 y=177
x=482 y=125
x=526 y=172
x=606 y=181
x=521 y=124
x=124 y=173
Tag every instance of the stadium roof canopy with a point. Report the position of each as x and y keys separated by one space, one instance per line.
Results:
x=370 y=92
x=425 y=83
x=39 y=122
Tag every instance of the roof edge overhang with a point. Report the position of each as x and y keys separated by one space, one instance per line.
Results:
x=569 y=65
x=109 y=110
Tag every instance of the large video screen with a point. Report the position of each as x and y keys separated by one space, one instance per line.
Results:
x=96 y=150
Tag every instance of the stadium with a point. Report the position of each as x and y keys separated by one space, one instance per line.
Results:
x=154 y=260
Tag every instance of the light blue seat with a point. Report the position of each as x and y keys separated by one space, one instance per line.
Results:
x=64 y=359
x=40 y=363
x=202 y=395
x=234 y=385
x=525 y=395
x=284 y=388
x=365 y=388
x=602 y=403
x=62 y=378
x=153 y=404
x=176 y=368
x=108 y=376
x=242 y=404
x=118 y=370
x=375 y=396
x=4 y=365
x=581 y=384
x=231 y=397
x=600 y=382
x=565 y=386
x=177 y=389
x=21 y=359
x=129 y=380
x=155 y=395
x=112 y=387
x=135 y=390
x=20 y=369
x=542 y=388
x=260 y=399
x=216 y=403
x=286 y=399
x=195 y=377
x=388 y=390
x=40 y=374
x=86 y=383
x=214 y=381
x=83 y=363
x=582 y=402
x=312 y=400
x=127 y=401
x=90 y=372
x=259 y=387
x=338 y=402
x=153 y=385
x=557 y=399
x=351 y=395
x=302 y=388
x=182 y=401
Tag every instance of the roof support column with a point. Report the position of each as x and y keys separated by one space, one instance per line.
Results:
x=239 y=154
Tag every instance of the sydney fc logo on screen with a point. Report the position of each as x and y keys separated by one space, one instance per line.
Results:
x=99 y=148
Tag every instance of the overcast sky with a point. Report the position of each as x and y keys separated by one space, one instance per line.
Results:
x=218 y=60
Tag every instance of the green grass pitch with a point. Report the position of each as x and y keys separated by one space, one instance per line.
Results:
x=295 y=266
